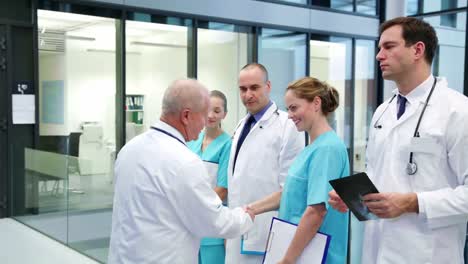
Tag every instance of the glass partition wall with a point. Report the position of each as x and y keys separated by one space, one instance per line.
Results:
x=449 y=60
x=365 y=102
x=157 y=49
x=330 y=61
x=284 y=55
x=222 y=51
x=68 y=177
x=69 y=174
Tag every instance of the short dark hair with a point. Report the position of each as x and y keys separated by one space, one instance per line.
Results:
x=257 y=65
x=414 y=30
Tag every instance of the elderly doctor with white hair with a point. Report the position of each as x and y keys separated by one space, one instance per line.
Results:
x=163 y=205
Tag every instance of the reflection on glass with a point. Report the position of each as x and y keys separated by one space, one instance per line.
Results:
x=364 y=105
x=366 y=7
x=449 y=61
x=344 y=5
x=222 y=52
x=330 y=61
x=283 y=53
x=295 y=1
x=411 y=7
x=440 y=5
x=156 y=55
x=77 y=80
x=364 y=98
x=46 y=183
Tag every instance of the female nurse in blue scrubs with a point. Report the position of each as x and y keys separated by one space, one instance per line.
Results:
x=213 y=146
x=304 y=198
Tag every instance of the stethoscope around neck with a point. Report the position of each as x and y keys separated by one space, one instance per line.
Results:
x=411 y=167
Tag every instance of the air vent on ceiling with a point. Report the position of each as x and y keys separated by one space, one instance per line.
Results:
x=52 y=40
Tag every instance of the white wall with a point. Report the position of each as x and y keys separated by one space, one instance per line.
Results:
x=150 y=73
x=91 y=88
x=89 y=82
x=328 y=63
x=52 y=68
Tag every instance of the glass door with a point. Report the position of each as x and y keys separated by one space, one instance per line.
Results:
x=157 y=49
x=283 y=53
x=68 y=177
x=222 y=51
x=330 y=61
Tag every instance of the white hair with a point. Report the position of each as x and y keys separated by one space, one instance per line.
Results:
x=184 y=93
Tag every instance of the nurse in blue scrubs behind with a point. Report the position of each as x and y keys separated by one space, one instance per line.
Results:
x=213 y=146
x=304 y=198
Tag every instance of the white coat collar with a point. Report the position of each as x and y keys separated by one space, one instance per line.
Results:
x=169 y=129
x=271 y=110
x=420 y=93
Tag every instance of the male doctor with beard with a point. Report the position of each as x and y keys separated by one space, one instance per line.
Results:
x=163 y=204
x=264 y=145
x=417 y=156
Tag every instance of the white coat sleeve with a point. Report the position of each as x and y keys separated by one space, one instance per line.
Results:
x=449 y=206
x=199 y=207
x=293 y=143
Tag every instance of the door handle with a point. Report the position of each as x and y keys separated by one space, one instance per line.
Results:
x=3 y=43
x=3 y=124
x=3 y=63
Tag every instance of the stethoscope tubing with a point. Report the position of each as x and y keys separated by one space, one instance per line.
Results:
x=411 y=167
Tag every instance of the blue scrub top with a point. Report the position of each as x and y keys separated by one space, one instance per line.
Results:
x=307 y=184
x=218 y=152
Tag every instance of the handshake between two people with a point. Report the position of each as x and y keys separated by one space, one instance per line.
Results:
x=266 y=204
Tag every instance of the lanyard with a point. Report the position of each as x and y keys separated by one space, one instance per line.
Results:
x=167 y=133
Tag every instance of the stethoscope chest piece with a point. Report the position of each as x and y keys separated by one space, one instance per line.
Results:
x=411 y=168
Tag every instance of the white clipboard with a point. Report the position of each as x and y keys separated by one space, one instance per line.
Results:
x=281 y=235
x=212 y=176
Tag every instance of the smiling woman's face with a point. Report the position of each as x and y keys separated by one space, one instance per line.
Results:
x=300 y=111
x=216 y=113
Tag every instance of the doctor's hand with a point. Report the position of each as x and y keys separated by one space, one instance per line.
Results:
x=391 y=205
x=249 y=210
x=336 y=202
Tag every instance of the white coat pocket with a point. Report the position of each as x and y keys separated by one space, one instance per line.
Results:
x=426 y=145
x=427 y=154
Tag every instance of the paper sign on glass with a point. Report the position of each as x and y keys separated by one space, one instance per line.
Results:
x=281 y=235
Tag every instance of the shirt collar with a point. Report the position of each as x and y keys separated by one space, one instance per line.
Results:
x=260 y=114
x=419 y=93
x=169 y=129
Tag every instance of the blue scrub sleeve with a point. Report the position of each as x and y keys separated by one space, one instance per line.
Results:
x=326 y=164
x=223 y=165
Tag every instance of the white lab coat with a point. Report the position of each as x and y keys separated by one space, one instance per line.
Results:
x=437 y=233
x=163 y=205
x=261 y=168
